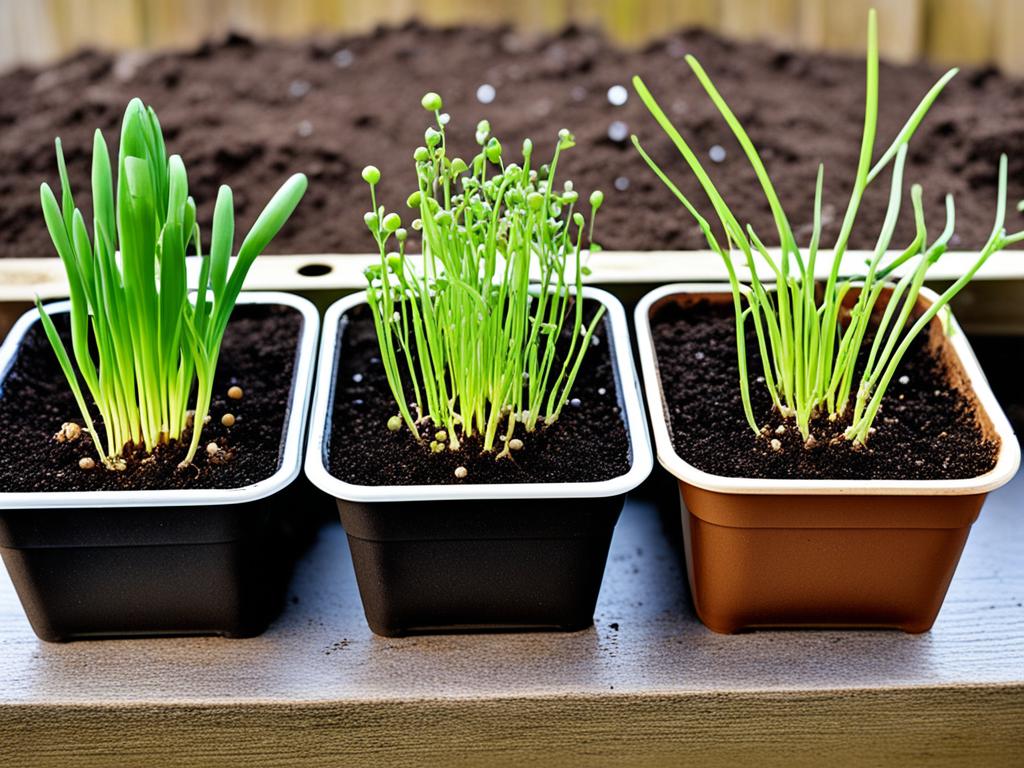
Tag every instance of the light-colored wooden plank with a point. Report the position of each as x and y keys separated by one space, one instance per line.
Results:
x=22 y=279
x=774 y=21
x=648 y=685
x=946 y=727
x=960 y=31
x=900 y=27
x=1009 y=49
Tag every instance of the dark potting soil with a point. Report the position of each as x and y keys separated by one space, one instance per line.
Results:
x=926 y=429
x=258 y=355
x=587 y=443
x=248 y=114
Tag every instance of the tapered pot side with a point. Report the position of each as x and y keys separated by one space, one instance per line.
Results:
x=486 y=557
x=823 y=553
x=163 y=562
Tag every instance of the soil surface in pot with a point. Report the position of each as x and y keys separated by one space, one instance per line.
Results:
x=258 y=355
x=925 y=430
x=588 y=442
x=248 y=114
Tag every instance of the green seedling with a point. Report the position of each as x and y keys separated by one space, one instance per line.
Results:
x=156 y=350
x=471 y=330
x=811 y=335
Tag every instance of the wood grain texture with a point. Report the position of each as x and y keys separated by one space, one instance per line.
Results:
x=955 y=31
x=647 y=685
x=942 y=727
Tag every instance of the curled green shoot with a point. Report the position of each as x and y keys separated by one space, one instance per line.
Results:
x=472 y=330
x=811 y=335
x=156 y=350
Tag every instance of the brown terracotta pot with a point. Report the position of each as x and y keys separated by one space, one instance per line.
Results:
x=823 y=553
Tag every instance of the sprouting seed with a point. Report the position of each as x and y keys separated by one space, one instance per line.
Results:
x=371 y=174
x=235 y=392
x=228 y=420
x=515 y=444
x=69 y=431
x=395 y=423
x=461 y=472
x=441 y=435
x=431 y=102
x=86 y=463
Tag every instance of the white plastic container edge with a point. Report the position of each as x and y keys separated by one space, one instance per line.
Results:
x=294 y=429
x=629 y=385
x=1006 y=464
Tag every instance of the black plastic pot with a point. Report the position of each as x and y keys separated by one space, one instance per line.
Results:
x=480 y=565
x=479 y=557
x=147 y=563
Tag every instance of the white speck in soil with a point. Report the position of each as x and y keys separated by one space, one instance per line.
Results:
x=717 y=153
x=698 y=356
x=578 y=93
x=622 y=183
x=904 y=379
x=298 y=88
x=679 y=107
x=485 y=93
x=575 y=402
x=618 y=131
x=617 y=95
x=602 y=391
x=305 y=129
x=343 y=58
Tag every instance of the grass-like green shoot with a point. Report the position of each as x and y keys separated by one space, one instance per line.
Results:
x=156 y=350
x=810 y=344
x=468 y=330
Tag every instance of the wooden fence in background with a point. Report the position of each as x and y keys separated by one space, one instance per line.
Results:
x=943 y=31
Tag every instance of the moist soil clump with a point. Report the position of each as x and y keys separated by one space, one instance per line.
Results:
x=926 y=429
x=587 y=443
x=249 y=113
x=258 y=354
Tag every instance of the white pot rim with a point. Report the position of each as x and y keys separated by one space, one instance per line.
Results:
x=642 y=460
x=1006 y=466
x=291 y=449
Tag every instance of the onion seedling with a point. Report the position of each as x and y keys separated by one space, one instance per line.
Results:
x=810 y=343
x=129 y=292
x=467 y=331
